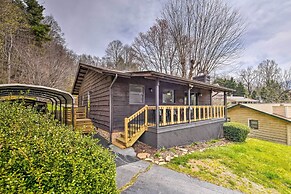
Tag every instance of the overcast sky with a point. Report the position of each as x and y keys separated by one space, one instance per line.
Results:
x=89 y=25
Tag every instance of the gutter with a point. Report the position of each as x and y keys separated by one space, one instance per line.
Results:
x=110 y=108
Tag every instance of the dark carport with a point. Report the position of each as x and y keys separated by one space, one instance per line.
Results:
x=62 y=102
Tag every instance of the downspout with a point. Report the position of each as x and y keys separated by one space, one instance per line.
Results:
x=110 y=108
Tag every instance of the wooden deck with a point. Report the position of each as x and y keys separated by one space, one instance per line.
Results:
x=138 y=123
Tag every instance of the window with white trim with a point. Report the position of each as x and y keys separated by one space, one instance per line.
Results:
x=254 y=124
x=136 y=94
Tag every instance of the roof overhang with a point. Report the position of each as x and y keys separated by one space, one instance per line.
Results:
x=83 y=69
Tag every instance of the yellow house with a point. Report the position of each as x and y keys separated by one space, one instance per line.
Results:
x=270 y=122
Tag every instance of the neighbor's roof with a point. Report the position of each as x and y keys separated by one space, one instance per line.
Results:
x=36 y=91
x=264 y=108
x=240 y=99
x=83 y=68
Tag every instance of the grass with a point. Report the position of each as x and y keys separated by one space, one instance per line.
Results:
x=255 y=166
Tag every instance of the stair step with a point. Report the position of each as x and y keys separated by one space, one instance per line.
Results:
x=118 y=144
x=121 y=140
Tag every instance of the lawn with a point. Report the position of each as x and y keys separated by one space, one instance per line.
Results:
x=253 y=167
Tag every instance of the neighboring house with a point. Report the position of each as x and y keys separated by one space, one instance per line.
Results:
x=233 y=100
x=159 y=109
x=267 y=121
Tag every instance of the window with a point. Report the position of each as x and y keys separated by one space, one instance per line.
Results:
x=136 y=94
x=168 y=96
x=254 y=124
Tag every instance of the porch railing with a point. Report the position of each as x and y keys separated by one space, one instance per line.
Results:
x=139 y=122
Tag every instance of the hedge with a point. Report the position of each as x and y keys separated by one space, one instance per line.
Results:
x=235 y=131
x=37 y=155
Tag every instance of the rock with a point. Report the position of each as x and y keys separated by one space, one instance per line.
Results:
x=176 y=156
x=161 y=160
x=183 y=150
x=149 y=159
x=143 y=155
x=162 y=163
x=168 y=159
x=156 y=162
x=201 y=150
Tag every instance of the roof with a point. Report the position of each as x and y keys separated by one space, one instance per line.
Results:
x=240 y=99
x=83 y=68
x=36 y=91
x=264 y=108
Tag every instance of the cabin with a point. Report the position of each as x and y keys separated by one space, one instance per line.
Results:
x=271 y=122
x=158 y=109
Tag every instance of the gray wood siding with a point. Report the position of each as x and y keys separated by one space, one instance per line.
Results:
x=98 y=86
x=120 y=94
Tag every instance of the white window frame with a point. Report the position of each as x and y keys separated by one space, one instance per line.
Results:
x=143 y=93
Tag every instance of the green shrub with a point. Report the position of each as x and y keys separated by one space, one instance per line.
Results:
x=37 y=155
x=235 y=131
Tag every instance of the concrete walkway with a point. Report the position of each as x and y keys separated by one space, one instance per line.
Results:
x=138 y=176
x=146 y=178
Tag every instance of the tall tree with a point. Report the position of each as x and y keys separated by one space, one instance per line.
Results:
x=34 y=14
x=114 y=52
x=231 y=83
x=207 y=34
x=12 y=21
x=267 y=82
x=154 y=50
x=248 y=78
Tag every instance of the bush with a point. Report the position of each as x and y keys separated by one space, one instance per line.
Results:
x=235 y=131
x=37 y=155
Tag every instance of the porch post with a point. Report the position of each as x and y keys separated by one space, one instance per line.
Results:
x=157 y=103
x=225 y=103
x=189 y=103
x=210 y=97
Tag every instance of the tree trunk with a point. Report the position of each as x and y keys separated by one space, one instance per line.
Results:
x=9 y=53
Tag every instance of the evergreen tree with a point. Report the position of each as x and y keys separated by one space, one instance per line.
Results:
x=34 y=14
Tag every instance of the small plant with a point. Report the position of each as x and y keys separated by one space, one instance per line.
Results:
x=194 y=144
x=158 y=154
x=235 y=131
x=173 y=150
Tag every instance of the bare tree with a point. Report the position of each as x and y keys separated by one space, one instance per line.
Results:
x=12 y=21
x=268 y=71
x=154 y=50
x=114 y=52
x=248 y=77
x=207 y=34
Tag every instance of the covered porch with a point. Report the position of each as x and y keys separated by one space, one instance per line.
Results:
x=165 y=120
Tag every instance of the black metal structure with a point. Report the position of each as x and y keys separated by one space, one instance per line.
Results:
x=59 y=99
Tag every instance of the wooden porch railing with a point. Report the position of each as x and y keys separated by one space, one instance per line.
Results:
x=138 y=123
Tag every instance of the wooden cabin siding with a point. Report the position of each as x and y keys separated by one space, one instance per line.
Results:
x=270 y=128
x=205 y=98
x=98 y=86
x=120 y=97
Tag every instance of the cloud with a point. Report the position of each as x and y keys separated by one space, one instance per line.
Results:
x=268 y=31
x=89 y=26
